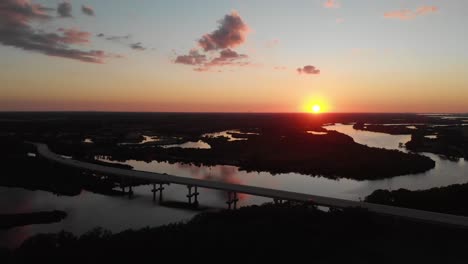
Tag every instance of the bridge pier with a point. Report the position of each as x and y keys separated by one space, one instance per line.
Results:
x=194 y=195
x=130 y=190
x=122 y=186
x=232 y=200
x=278 y=201
x=160 y=190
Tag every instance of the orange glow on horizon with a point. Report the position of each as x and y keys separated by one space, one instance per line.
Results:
x=316 y=106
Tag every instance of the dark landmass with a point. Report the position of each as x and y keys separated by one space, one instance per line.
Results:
x=449 y=138
x=451 y=141
x=451 y=199
x=12 y=220
x=282 y=145
x=333 y=155
x=387 y=129
x=33 y=173
x=285 y=232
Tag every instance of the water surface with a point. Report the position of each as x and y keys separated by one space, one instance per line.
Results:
x=89 y=210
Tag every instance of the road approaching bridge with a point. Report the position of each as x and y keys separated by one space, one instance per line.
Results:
x=232 y=189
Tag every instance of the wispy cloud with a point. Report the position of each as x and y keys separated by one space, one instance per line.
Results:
x=125 y=40
x=114 y=37
x=406 y=14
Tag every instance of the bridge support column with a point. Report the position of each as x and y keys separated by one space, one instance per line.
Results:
x=232 y=200
x=160 y=190
x=278 y=201
x=130 y=190
x=194 y=195
x=122 y=186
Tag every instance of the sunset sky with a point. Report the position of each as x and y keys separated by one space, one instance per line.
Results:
x=234 y=55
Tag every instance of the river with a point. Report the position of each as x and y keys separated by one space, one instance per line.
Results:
x=89 y=210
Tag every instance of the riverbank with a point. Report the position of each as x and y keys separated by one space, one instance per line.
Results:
x=286 y=232
x=451 y=199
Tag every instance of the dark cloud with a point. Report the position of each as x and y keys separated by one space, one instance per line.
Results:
x=193 y=58
x=137 y=46
x=308 y=69
x=64 y=9
x=87 y=10
x=231 y=33
x=17 y=12
x=125 y=40
x=16 y=17
x=114 y=38
x=226 y=57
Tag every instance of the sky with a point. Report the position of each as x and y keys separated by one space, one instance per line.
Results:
x=234 y=55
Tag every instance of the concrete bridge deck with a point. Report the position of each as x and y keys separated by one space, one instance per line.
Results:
x=158 y=178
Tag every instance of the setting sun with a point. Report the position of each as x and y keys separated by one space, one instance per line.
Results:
x=316 y=109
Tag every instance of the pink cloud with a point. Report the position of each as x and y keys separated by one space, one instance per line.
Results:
x=308 y=69
x=17 y=18
x=74 y=36
x=226 y=57
x=426 y=10
x=232 y=32
x=406 y=14
x=193 y=58
x=331 y=4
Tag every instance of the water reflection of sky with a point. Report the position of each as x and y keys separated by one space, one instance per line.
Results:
x=89 y=210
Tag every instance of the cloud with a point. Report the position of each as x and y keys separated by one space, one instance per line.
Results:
x=226 y=57
x=215 y=48
x=125 y=40
x=64 y=9
x=426 y=10
x=193 y=58
x=331 y=4
x=406 y=14
x=114 y=38
x=231 y=32
x=74 y=36
x=137 y=46
x=16 y=19
x=87 y=10
x=308 y=69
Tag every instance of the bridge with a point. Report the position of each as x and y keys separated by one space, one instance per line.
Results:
x=233 y=189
